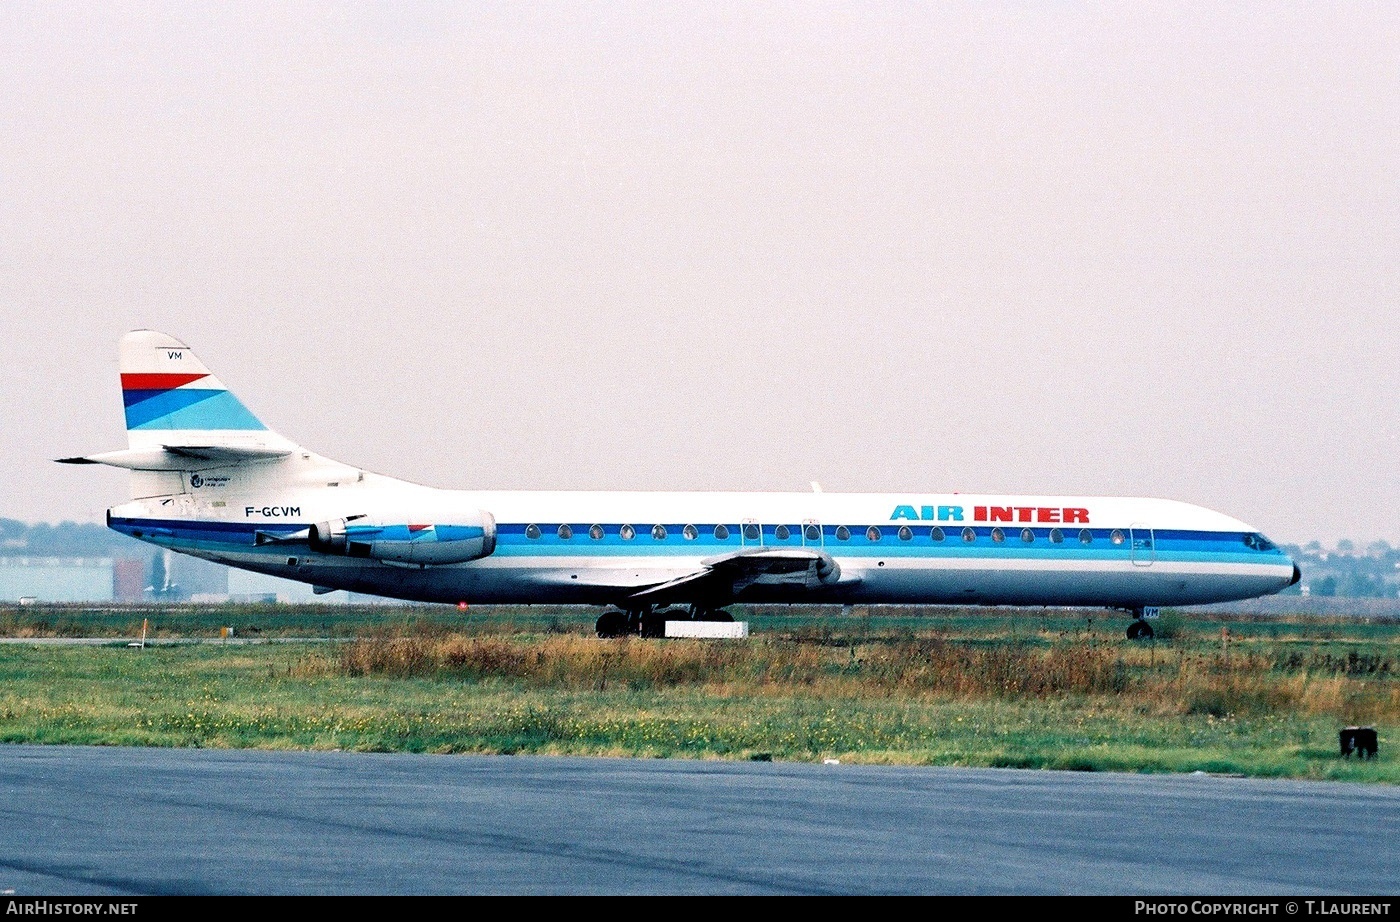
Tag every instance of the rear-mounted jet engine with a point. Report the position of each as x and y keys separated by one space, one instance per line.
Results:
x=464 y=538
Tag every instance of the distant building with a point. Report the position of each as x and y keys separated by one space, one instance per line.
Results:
x=105 y=579
x=57 y=579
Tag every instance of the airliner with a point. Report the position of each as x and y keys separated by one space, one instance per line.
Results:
x=209 y=479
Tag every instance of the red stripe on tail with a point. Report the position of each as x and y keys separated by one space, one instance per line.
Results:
x=158 y=381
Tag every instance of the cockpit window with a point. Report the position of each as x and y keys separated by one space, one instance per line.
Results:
x=1258 y=542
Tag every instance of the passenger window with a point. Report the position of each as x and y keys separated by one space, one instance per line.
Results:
x=998 y=535
x=751 y=532
x=532 y=531
x=812 y=533
x=843 y=533
x=936 y=533
x=905 y=532
x=627 y=533
x=1057 y=536
x=690 y=532
x=1116 y=537
x=595 y=532
x=969 y=535
x=658 y=532
x=782 y=533
x=1027 y=535
x=872 y=533
x=722 y=533
x=1086 y=536
x=565 y=532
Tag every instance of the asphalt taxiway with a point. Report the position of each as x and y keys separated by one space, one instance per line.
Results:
x=109 y=821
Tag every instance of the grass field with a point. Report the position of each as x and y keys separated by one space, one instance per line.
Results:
x=1241 y=695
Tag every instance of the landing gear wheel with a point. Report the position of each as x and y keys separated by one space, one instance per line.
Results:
x=719 y=615
x=1139 y=630
x=654 y=624
x=611 y=623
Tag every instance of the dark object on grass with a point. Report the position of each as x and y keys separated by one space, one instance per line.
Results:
x=1359 y=740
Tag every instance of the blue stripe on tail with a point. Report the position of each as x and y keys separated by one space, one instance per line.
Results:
x=187 y=408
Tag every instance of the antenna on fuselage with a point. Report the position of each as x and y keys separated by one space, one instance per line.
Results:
x=816 y=487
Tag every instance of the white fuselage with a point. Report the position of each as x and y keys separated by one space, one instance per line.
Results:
x=600 y=547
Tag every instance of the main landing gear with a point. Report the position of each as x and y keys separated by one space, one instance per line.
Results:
x=1140 y=629
x=651 y=621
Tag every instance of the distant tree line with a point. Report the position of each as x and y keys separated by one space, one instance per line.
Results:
x=1347 y=570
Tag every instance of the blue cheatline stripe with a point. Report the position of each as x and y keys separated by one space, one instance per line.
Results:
x=919 y=536
x=189 y=408
x=1180 y=546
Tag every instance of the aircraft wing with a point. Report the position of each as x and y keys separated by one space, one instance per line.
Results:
x=721 y=579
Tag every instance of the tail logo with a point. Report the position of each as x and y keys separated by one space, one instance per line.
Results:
x=182 y=400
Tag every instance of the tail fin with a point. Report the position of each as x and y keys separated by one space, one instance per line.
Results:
x=173 y=401
x=179 y=417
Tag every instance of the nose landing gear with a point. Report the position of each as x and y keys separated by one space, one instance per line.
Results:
x=1140 y=629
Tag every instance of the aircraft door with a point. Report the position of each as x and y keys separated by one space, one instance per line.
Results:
x=750 y=533
x=1143 y=544
x=812 y=533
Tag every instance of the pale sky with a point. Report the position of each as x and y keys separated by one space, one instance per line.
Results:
x=1034 y=247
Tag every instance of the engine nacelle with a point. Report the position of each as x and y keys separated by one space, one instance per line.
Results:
x=464 y=538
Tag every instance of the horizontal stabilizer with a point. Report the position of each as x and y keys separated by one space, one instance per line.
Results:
x=227 y=452
x=180 y=457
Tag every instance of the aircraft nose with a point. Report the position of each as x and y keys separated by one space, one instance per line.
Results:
x=1297 y=575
